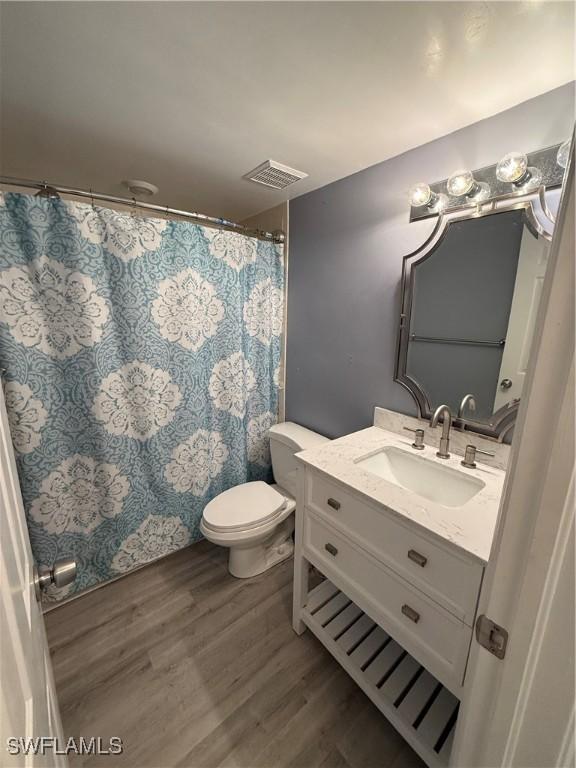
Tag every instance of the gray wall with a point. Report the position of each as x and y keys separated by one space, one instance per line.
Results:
x=347 y=241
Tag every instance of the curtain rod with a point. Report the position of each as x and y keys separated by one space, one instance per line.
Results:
x=276 y=237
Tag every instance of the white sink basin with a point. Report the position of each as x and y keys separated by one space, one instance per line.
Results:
x=444 y=485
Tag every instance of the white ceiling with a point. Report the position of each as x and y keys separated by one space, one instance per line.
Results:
x=191 y=96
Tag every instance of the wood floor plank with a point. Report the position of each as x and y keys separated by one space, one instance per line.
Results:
x=334 y=759
x=193 y=668
x=327 y=708
x=268 y=709
x=407 y=758
x=364 y=742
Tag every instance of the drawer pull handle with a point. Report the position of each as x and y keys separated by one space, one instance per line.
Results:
x=331 y=548
x=333 y=503
x=417 y=558
x=411 y=613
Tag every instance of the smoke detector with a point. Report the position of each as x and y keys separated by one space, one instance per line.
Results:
x=275 y=175
x=139 y=188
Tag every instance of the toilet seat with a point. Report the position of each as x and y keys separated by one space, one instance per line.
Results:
x=244 y=507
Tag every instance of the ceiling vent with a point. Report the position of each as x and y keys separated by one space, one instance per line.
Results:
x=275 y=175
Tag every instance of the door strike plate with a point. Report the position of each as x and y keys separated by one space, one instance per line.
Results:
x=491 y=636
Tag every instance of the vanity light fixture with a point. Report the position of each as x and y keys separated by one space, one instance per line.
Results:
x=563 y=153
x=516 y=175
x=462 y=183
x=421 y=195
x=513 y=169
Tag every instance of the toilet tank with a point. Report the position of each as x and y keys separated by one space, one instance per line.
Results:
x=286 y=439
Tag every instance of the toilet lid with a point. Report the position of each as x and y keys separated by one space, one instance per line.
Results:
x=244 y=506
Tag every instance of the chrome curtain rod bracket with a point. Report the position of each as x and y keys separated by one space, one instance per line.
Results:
x=201 y=218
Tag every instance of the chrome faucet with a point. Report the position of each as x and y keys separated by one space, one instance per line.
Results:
x=467 y=401
x=442 y=452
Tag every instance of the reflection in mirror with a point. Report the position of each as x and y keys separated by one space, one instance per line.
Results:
x=470 y=305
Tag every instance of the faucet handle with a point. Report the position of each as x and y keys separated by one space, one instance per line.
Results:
x=418 y=443
x=469 y=459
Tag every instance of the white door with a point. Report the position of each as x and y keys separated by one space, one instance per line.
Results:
x=525 y=301
x=28 y=704
x=519 y=711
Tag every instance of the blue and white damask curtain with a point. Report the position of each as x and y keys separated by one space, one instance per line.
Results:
x=140 y=362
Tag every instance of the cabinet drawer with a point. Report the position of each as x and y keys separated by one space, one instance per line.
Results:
x=432 y=635
x=449 y=579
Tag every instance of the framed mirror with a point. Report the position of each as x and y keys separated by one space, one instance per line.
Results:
x=470 y=297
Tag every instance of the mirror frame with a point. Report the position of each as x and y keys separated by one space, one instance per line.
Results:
x=504 y=418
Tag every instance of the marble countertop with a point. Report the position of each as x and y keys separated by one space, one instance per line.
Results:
x=469 y=528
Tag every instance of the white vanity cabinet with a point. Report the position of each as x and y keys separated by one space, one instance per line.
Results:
x=448 y=578
x=397 y=607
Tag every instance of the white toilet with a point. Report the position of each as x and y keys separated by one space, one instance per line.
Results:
x=255 y=519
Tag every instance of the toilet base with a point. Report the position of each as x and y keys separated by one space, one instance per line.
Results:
x=247 y=561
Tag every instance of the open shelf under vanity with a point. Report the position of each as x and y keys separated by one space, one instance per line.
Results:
x=421 y=709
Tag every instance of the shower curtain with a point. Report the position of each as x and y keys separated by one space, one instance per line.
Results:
x=140 y=363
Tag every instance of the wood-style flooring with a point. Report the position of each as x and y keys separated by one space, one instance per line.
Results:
x=191 y=667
